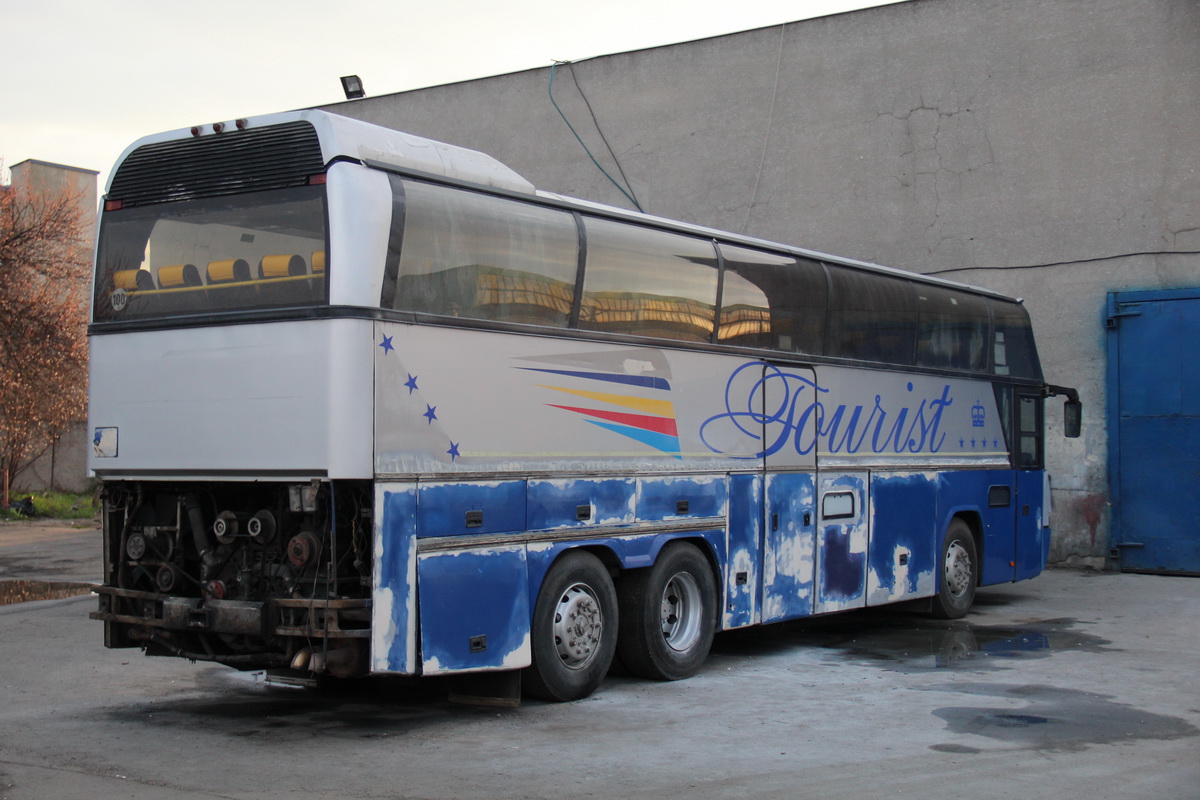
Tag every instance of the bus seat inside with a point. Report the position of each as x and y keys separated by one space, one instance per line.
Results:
x=228 y=271
x=281 y=266
x=178 y=275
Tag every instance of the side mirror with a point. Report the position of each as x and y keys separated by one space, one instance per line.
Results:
x=1072 y=418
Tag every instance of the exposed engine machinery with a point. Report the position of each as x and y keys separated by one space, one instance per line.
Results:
x=254 y=576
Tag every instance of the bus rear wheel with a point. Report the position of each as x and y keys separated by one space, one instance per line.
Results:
x=959 y=572
x=574 y=632
x=668 y=615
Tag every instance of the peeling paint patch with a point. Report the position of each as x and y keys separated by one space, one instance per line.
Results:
x=789 y=547
x=558 y=503
x=904 y=537
x=475 y=610
x=741 y=607
x=393 y=611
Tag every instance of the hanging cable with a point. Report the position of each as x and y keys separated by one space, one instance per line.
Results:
x=571 y=127
x=762 y=159
x=1007 y=267
x=603 y=138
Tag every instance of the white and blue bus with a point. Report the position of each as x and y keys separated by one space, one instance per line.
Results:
x=363 y=403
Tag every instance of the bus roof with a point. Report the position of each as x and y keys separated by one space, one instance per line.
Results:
x=388 y=148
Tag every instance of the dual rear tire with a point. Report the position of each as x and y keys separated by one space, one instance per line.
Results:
x=661 y=620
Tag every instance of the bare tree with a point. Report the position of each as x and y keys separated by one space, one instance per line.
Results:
x=44 y=276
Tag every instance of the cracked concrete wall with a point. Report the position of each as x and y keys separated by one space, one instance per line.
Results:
x=1043 y=148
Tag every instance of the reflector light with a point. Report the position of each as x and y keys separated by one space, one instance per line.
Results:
x=218 y=127
x=241 y=124
x=196 y=130
x=316 y=180
x=114 y=205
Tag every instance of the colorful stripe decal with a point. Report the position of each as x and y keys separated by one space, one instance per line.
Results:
x=659 y=441
x=661 y=408
x=629 y=380
x=663 y=425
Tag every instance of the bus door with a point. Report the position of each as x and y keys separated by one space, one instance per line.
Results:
x=1032 y=506
x=789 y=510
x=842 y=538
x=1014 y=541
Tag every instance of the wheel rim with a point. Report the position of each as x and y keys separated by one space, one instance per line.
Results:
x=958 y=569
x=681 y=611
x=578 y=625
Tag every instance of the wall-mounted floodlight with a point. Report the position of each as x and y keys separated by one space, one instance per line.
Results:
x=352 y=86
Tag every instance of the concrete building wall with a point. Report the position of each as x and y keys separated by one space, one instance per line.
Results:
x=1042 y=148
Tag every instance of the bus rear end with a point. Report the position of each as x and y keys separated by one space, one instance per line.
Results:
x=235 y=461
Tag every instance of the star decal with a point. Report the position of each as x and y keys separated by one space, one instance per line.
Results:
x=430 y=413
x=411 y=383
x=453 y=451
x=386 y=344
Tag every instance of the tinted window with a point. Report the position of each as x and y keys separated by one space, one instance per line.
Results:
x=258 y=250
x=472 y=255
x=872 y=317
x=1015 y=354
x=771 y=300
x=1029 y=430
x=648 y=283
x=952 y=329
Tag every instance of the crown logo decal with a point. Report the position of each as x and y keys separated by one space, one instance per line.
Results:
x=978 y=414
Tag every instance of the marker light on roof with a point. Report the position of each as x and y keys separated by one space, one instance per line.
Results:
x=114 y=205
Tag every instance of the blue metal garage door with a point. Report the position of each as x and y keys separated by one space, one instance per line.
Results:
x=1154 y=429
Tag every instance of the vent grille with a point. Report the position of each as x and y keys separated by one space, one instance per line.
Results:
x=235 y=162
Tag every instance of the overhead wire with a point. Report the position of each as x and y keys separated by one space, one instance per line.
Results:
x=1004 y=268
x=762 y=159
x=550 y=90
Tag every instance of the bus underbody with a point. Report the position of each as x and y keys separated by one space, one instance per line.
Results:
x=251 y=575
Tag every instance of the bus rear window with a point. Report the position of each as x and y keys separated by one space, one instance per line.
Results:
x=250 y=251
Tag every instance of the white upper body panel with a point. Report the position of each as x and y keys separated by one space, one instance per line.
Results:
x=286 y=399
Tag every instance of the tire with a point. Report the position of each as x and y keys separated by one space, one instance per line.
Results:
x=668 y=615
x=574 y=632
x=959 y=572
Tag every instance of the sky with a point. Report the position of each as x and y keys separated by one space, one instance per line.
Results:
x=82 y=79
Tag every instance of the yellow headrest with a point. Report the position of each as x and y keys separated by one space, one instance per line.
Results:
x=172 y=276
x=282 y=266
x=127 y=279
x=228 y=270
x=318 y=261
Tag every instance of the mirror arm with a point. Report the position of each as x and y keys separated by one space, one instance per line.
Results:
x=1072 y=395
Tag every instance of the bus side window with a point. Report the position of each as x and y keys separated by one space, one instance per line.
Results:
x=952 y=329
x=771 y=300
x=1013 y=349
x=871 y=317
x=472 y=255
x=647 y=282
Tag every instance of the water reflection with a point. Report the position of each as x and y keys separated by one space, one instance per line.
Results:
x=914 y=642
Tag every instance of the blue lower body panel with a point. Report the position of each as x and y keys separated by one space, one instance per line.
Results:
x=474 y=610
x=905 y=539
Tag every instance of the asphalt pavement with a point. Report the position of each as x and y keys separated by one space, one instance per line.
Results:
x=1072 y=684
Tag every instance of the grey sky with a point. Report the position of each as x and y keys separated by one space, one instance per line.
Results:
x=82 y=79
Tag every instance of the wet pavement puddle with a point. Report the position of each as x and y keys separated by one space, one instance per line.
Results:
x=907 y=645
x=1053 y=718
x=910 y=642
